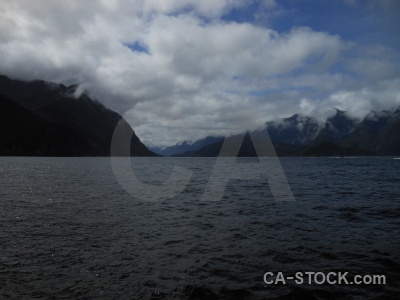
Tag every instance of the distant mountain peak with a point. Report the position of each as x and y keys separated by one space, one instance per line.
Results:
x=183 y=143
x=292 y=117
x=340 y=112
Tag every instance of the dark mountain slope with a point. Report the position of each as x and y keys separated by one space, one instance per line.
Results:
x=336 y=128
x=24 y=133
x=326 y=148
x=378 y=132
x=296 y=130
x=55 y=103
x=304 y=130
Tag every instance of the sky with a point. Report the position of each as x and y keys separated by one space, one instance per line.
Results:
x=184 y=69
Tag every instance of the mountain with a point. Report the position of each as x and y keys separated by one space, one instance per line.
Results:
x=82 y=126
x=336 y=128
x=47 y=119
x=246 y=149
x=296 y=130
x=378 y=132
x=22 y=133
x=340 y=135
x=185 y=146
x=304 y=130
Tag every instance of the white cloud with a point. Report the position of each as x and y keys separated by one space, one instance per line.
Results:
x=199 y=76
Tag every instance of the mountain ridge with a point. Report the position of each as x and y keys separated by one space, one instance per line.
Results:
x=82 y=126
x=298 y=135
x=185 y=146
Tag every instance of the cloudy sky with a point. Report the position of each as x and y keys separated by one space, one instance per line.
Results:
x=184 y=69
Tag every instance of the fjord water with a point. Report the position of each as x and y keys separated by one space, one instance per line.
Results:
x=68 y=230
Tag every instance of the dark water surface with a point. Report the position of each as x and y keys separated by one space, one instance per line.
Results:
x=68 y=230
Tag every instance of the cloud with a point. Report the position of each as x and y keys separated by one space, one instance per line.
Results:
x=179 y=70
